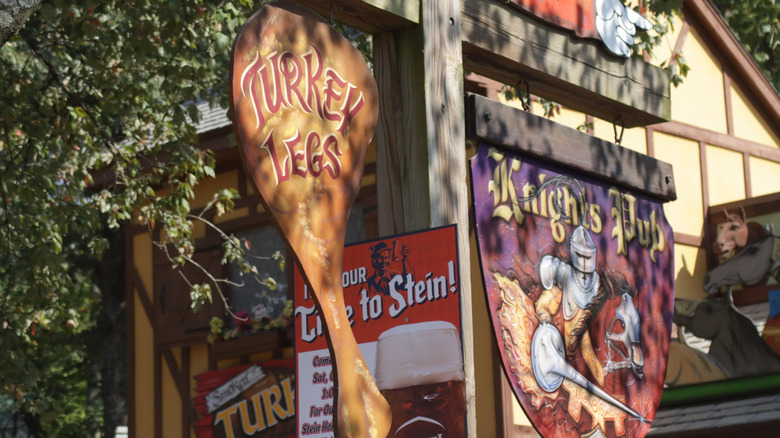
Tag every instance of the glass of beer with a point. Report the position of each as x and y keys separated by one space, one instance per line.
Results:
x=419 y=370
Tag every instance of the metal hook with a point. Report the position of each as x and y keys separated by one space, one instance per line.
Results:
x=618 y=138
x=525 y=100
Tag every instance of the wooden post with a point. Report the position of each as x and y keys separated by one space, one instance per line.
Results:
x=422 y=177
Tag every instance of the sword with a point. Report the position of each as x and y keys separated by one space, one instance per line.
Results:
x=550 y=367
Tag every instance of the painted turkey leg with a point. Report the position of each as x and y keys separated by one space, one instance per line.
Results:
x=362 y=410
x=304 y=106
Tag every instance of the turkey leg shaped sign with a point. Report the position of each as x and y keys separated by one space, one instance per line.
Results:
x=304 y=111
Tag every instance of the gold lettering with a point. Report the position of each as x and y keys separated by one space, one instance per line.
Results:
x=258 y=407
x=595 y=218
x=542 y=197
x=649 y=233
x=643 y=231
x=659 y=243
x=271 y=398
x=630 y=208
x=289 y=396
x=243 y=414
x=224 y=417
x=503 y=189
x=617 y=215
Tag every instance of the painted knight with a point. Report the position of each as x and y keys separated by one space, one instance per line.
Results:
x=579 y=285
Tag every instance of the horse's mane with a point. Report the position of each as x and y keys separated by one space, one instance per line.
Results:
x=756 y=233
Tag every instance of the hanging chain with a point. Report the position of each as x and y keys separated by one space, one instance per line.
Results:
x=525 y=100
x=618 y=138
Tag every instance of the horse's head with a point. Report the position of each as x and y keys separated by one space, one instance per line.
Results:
x=733 y=234
x=748 y=267
x=623 y=335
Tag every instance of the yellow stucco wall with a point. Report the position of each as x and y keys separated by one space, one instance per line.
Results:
x=690 y=265
x=700 y=101
x=764 y=176
x=725 y=175
x=207 y=187
x=663 y=51
x=686 y=214
x=171 y=401
x=746 y=124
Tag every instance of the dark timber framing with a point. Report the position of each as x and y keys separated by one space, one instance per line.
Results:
x=542 y=138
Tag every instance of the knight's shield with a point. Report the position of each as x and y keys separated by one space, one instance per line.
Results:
x=579 y=277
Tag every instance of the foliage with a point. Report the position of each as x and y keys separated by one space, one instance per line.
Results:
x=757 y=25
x=664 y=15
x=97 y=126
x=245 y=324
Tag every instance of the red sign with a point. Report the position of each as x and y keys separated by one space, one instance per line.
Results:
x=579 y=277
x=608 y=20
x=247 y=401
x=402 y=297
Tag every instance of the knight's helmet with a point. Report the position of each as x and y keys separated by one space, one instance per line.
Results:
x=583 y=250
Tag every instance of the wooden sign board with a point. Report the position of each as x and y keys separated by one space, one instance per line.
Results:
x=256 y=400
x=579 y=277
x=610 y=21
x=304 y=107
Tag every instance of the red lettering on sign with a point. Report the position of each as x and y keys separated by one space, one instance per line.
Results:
x=312 y=76
x=314 y=152
x=290 y=81
x=280 y=169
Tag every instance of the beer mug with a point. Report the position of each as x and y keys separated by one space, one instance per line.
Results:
x=419 y=370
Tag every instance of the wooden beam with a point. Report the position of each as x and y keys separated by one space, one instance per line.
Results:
x=446 y=165
x=370 y=16
x=389 y=131
x=507 y=45
x=720 y=140
x=421 y=145
x=130 y=291
x=542 y=138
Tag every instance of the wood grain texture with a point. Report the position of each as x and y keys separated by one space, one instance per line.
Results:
x=447 y=169
x=388 y=132
x=504 y=44
x=421 y=144
x=547 y=140
x=371 y=16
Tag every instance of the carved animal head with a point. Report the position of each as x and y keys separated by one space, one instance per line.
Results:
x=735 y=234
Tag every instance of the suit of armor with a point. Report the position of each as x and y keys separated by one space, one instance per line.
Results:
x=577 y=286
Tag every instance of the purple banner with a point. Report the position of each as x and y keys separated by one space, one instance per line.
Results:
x=579 y=277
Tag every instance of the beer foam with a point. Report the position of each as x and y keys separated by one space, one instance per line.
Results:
x=418 y=354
